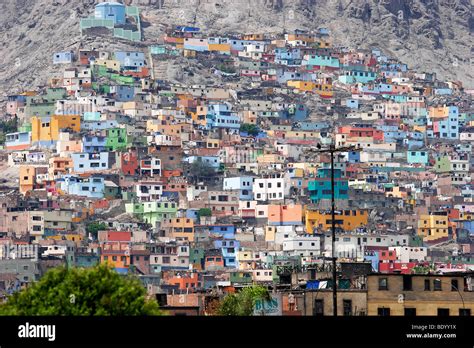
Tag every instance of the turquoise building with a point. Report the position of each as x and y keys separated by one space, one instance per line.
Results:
x=320 y=188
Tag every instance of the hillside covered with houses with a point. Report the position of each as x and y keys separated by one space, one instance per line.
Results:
x=202 y=189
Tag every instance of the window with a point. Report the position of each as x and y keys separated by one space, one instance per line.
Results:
x=454 y=285
x=383 y=284
x=464 y=312
x=383 y=312
x=410 y=312
x=443 y=312
x=36 y=218
x=437 y=285
x=407 y=283
x=427 y=285
x=166 y=259
x=347 y=307
x=318 y=309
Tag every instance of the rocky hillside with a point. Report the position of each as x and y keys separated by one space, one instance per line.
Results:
x=429 y=35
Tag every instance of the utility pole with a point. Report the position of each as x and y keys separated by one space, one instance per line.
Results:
x=333 y=150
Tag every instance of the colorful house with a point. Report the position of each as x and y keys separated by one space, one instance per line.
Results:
x=347 y=220
x=46 y=129
x=320 y=188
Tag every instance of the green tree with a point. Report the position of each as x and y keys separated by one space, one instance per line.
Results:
x=94 y=228
x=249 y=128
x=82 y=292
x=243 y=302
x=204 y=212
x=8 y=126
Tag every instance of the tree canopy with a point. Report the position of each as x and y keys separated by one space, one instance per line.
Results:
x=94 y=228
x=249 y=128
x=8 y=126
x=202 y=170
x=204 y=212
x=98 y=291
x=242 y=303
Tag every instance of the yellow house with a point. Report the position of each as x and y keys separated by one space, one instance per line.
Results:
x=74 y=237
x=270 y=232
x=324 y=90
x=48 y=128
x=348 y=220
x=111 y=64
x=219 y=47
x=433 y=226
x=305 y=86
x=246 y=259
x=438 y=111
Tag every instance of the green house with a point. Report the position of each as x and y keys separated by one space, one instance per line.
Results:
x=240 y=277
x=196 y=256
x=152 y=212
x=116 y=139
x=443 y=164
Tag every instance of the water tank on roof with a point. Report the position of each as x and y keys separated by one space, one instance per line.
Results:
x=111 y=10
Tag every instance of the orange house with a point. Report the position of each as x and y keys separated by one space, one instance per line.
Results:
x=213 y=260
x=285 y=214
x=182 y=228
x=115 y=249
x=27 y=178
x=185 y=282
x=348 y=220
x=59 y=165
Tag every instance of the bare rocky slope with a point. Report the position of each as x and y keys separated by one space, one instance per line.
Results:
x=428 y=35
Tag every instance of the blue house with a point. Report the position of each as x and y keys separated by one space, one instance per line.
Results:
x=91 y=116
x=390 y=136
x=220 y=116
x=89 y=162
x=130 y=60
x=449 y=128
x=420 y=157
x=285 y=76
x=18 y=140
x=326 y=61
x=92 y=187
x=94 y=143
x=229 y=250
x=352 y=103
x=192 y=214
x=354 y=76
x=354 y=157
x=227 y=231
x=413 y=144
x=243 y=184
x=110 y=10
x=443 y=91
x=124 y=93
x=295 y=112
x=63 y=57
x=373 y=257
